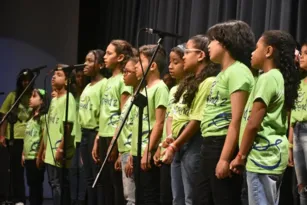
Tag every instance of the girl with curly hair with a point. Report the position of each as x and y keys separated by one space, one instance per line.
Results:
x=186 y=112
x=231 y=44
x=263 y=141
x=298 y=130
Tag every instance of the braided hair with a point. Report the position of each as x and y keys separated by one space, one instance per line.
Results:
x=189 y=85
x=283 y=56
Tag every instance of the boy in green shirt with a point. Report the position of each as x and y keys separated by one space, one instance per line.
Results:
x=55 y=138
x=157 y=93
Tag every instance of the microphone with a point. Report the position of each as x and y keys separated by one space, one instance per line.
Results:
x=161 y=33
x=70 y=68
x=34 y=70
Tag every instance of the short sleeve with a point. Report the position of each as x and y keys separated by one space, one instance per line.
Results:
x=161 y=97
x=8 y=102
x=124 y=88
x=198 y=104
x=265 y=89
x=240 y=78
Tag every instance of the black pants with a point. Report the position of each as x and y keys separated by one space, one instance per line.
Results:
x=35 y=180
x=149 y=184
x=17 y=180
x=209 y=189
x=112 y=184
x=166 y=197
x=90 y=167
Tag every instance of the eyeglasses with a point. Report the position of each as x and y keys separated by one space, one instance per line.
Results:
x=189 y=50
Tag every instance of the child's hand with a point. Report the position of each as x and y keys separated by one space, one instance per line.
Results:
x=95 y=152
x=156 y=157
x=22 y=160
x=168 y=156
x=145 y=161
x=39 y=162
x=129 y=167
x=59 y=155
x=222 y=169
x=2 y=141
x=118 y=164
x=237 y=165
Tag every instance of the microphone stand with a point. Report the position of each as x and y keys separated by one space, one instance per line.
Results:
x=12 y=119
x=140 y=101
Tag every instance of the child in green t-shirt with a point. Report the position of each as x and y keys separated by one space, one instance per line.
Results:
x=231 y=44
x=263 y=141
x=31 y=157
x=88 y=118
x=177 y=72
x=298 y=128
x=76 y=170
x=124 y=140
x=55 y=138
x=187 y=109
x=23 y=113
x=153 y=121
x=114 y=96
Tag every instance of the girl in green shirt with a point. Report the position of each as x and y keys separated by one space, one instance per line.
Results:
x=115 y=94
x=263 y=141
x=89 y=111
x=31 y=157
x=231 y=45
x=23 y=113
x=186 y=116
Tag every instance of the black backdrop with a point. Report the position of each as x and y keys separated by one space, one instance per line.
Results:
x=103 y=20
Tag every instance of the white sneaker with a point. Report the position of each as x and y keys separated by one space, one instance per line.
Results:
x=20 y=203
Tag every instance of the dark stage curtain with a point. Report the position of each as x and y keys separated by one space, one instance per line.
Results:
x=104 y=20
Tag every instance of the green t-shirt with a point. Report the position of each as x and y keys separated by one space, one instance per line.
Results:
x=299 y=114
x=110 y=105
x=157 y=96
x=89 y=106
x=78 y=126
x=217 y=110
x=124 y=140
x=23 y=114
x=182 y=114
x=56 y=117
x=33 y=134
x=269 y=153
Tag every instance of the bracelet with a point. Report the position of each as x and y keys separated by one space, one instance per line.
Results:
x=241 y=156
x=97 y=138
x=59 y=150
x=290 y=145
x=174 y=147
x=160 y=144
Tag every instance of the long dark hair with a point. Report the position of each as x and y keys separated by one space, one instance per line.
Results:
x=283 y=57
x=191 y=82
x=23 y=74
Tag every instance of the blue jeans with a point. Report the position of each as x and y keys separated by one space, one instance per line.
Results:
x=183 y=170
x=263 y=189
x=300 y=158
x=128 y=182
x=55 y=177
x=77 y=177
